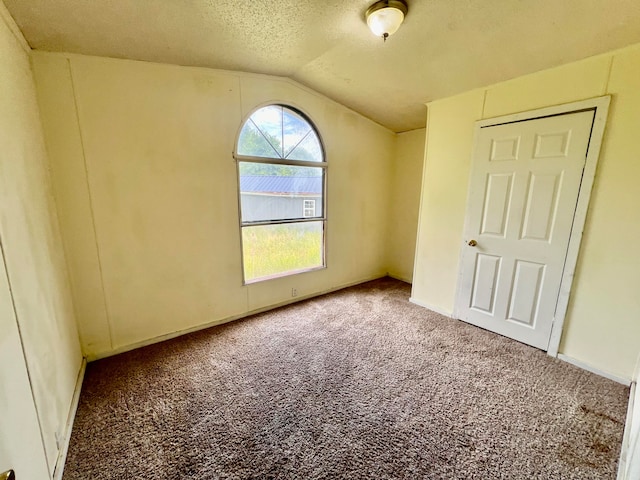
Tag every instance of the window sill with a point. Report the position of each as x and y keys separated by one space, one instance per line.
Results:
x=284 y=274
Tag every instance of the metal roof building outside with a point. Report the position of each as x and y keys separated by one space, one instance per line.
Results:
x=281 y=185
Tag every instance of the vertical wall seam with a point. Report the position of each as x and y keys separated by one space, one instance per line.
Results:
x=605 y=88
x=484 y=102
x=246 y=287
x=24 y=355
x=393 y=175
x=54 y=198
x=240 y=106
x=425 y=153
x=91 y=209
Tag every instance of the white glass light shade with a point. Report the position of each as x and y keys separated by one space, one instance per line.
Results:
x=386 y=21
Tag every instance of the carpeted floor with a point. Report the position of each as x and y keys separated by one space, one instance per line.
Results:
x=358 y=384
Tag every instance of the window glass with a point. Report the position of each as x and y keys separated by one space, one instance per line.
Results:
x=277 y=192
x=272 y=250
x=279 y=132
x=308 y=149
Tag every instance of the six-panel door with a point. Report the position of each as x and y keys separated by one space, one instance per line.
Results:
x=524 y=187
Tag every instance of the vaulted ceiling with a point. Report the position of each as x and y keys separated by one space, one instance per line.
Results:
x=443 y=48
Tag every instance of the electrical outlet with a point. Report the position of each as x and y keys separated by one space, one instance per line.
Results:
x=294 y=292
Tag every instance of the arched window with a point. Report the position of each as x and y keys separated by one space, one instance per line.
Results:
x=282 y=172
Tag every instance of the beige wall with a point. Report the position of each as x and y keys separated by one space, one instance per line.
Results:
x=405 y=200
x=442 y=202
x=147 y=192
x=602 y=327
x=32 y=246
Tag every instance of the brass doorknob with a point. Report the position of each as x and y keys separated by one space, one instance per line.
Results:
x=472 y=243
x=8 y=475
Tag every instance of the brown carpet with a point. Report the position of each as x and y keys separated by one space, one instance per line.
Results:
x=358 y=384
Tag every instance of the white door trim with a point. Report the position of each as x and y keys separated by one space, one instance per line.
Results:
x=601 y=107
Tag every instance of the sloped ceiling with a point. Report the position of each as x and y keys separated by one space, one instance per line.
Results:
x=444 y=47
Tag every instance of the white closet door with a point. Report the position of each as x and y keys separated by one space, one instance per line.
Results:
x=524 y=188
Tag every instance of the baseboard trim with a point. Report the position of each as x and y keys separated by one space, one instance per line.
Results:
x=439 y=310
x=64 y=448
x=585 y=366
x=402 y=278
x=221 y=321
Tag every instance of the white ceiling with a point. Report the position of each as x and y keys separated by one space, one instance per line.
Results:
x=443 y=48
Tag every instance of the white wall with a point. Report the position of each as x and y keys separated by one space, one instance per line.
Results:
x=32 y=246
x=147 y=192
x=602 y=327
x=405 y=201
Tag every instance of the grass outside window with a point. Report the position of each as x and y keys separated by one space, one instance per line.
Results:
x=273 y=250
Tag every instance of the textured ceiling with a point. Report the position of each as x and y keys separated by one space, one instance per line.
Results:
x=443 y=48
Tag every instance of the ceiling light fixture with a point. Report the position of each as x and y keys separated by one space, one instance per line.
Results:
x=385 y=17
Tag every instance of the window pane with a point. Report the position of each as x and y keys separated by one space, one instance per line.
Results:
x=274 y=250
x=296 y=129
x=279 y=132
x=254 y=143
x=278 y=192
x=308 y=149
x=269 y=123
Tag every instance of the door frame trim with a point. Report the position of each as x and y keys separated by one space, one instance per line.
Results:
x=600 y=106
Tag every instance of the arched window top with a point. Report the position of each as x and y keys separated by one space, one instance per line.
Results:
x=279 y=132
